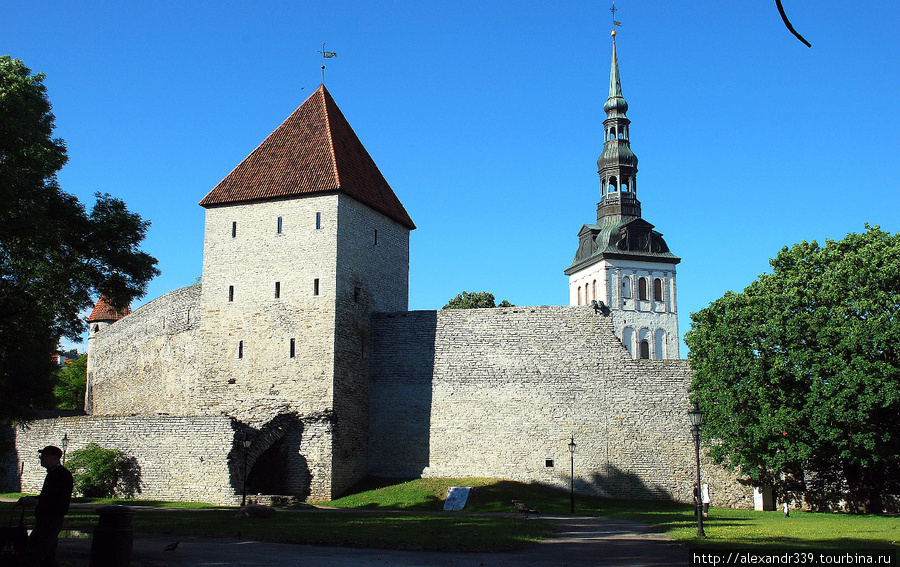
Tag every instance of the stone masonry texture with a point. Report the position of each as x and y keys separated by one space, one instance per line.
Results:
x=500 y=393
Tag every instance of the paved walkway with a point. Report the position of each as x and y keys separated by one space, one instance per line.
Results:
x=579 y=542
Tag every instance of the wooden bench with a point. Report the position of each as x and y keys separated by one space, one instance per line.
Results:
x=523 y=508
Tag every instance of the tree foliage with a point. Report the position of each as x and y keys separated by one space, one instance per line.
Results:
x=54 y=254
x=71 y=382
x=799 y=374
x=104 y=473
x=475 y=300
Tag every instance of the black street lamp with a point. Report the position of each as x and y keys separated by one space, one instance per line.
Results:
x=246 y=443
x=572 y=477
x=696 y=421
x=65 y=444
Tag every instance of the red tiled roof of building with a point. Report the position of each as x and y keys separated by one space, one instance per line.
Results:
x=314 y=151
x=104 y=311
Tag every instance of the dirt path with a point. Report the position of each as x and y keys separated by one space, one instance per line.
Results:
x=579 y=542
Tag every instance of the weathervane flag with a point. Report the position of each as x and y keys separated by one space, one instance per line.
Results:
x=325 y=55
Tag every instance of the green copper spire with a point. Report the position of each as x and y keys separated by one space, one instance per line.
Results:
x=616 y=102
x=620 y=235
x=617 y=165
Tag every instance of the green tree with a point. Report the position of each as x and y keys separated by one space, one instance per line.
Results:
x=799 y=374
x=71 y=382
x=54 y=255
x=104 y=473
x=476 y=300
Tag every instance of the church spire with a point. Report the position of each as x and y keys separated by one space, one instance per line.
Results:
x=617 y=165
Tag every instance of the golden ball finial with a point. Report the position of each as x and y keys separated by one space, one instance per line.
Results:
x=613 y=33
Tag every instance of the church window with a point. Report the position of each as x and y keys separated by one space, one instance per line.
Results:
x=316 y=286
x=293 y=348
x=579 y=295
x=96 y=328
x=280 y=225
x=376 y=237
x=659 y=342
x=233 y=229
x=318 y=221
x=594 y=296
x=645 y=350
x=240 y=349
x=277 y=290
x=657 y=290
x=548 y=463
x=626 y=288
x=612 y=132
x=602 y=187
x=625 y=187
x=627 y=340
x=356 y=292
x=613 y=183
x=231 y=293
x=642 y=289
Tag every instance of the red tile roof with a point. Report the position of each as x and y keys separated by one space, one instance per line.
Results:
x=104 y=311
x=314 y=151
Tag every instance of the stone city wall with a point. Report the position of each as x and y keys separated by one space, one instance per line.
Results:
x=500 y=393
x=180 y=458
x=187 y=459
x=147 y=362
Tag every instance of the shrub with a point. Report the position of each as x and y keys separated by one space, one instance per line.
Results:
x=104 y=473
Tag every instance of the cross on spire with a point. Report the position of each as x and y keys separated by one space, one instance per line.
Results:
x=614 y=10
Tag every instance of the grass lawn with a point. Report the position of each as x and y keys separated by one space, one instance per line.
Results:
x=724 y=527
x=408 y=515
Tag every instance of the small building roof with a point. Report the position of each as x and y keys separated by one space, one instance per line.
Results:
x=104 y=311
x=313 y=151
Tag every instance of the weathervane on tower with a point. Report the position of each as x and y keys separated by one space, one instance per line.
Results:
x=325 y=55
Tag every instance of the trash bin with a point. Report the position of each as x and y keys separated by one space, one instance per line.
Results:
x=113 y=537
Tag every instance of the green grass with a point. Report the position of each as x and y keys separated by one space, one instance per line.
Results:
x=724 y=527
x=408 y=515
x=393 y=529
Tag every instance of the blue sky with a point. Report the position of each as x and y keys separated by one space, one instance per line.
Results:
x=485 y=118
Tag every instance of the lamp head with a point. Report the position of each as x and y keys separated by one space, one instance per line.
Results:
x=696 y=415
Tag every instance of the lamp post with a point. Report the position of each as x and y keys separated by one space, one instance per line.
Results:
x=572 y=477
x=246 y=443
x=65 y=444
x=696 y=417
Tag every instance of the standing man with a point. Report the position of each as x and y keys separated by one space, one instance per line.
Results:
x=50 y=510
x=705 y=499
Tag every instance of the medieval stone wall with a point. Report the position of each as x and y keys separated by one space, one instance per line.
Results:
x=500 y=393
x=373 y=275
x=147 y=362
x=189 y=459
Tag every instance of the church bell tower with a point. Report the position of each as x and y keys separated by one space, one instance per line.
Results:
x=622 y=263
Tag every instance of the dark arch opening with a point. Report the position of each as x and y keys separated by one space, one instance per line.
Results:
x=268 y=473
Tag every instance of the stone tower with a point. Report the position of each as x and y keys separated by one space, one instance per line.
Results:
x=102 y=316
x=304 y=239
x=621 y=261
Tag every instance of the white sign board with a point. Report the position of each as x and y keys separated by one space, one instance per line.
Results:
x=456 y=497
